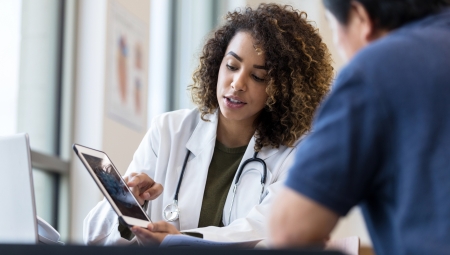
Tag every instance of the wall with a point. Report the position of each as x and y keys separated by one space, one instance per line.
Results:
x=93 y=126
x=119 y=140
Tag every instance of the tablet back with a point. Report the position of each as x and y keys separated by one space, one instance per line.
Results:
x=18 y=211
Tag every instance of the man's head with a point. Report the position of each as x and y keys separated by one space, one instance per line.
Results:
x=356 y=23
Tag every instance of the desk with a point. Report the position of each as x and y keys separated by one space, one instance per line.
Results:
x=136 y=250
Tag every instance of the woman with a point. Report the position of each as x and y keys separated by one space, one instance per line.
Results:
x=261 y=77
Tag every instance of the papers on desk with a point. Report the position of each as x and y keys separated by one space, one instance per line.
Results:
x=189 y=241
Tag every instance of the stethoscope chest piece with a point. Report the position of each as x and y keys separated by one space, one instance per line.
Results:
x=171 y=212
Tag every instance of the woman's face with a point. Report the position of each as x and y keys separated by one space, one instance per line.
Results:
x=241 y=87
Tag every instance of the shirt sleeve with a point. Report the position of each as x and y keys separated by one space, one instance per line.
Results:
x=336 y=163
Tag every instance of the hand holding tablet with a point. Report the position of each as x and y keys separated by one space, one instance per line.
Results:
x=115 y=189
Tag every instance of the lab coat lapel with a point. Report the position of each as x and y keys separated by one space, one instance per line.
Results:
x=265 y=152
x=201 y=145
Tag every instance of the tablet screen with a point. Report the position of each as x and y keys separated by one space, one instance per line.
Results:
x=115 y=186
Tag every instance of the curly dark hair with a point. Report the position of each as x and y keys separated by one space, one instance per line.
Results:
x=299 y=71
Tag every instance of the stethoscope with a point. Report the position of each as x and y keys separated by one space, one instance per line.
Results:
x=171 y=212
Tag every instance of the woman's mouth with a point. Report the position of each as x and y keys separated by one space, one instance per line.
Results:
x=233 y=102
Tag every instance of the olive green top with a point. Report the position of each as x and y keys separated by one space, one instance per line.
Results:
x=223 y=167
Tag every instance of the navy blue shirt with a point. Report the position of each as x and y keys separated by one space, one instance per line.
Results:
x=382 y=140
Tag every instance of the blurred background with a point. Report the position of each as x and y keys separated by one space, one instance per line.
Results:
x=95 y=73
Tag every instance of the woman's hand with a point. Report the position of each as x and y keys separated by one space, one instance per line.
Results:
x=155 y=232
x=143 y=187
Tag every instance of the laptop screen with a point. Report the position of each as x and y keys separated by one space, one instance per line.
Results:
x=18 y=211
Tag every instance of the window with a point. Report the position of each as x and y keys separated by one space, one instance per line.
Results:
x=9 y=64
x=35 y=95
x=178 y=33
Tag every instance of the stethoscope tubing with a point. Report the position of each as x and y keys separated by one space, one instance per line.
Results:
x=181 y=176
x=238 y=177
x=249 y=160
x=236 y=181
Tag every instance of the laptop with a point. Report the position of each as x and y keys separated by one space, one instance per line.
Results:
x=18 y=223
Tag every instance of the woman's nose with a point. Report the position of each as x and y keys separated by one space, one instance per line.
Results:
x=239 y=83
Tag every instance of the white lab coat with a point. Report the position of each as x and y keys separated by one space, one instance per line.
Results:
x=161 y=155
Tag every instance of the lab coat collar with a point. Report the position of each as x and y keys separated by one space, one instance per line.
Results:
x=264 y=153
x=206 y=132
x=201 y=145
x=204 y=135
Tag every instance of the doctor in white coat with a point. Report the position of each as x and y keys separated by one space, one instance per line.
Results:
x=260 y=78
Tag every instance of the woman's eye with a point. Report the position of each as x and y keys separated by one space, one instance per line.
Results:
x=232 y=68
x=258 y=79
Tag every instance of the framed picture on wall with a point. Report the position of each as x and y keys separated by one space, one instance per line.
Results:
x=127 y=76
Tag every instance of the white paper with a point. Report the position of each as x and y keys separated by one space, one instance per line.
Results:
x=189 y=241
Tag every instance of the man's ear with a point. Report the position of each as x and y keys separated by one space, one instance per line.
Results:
x=367 y=28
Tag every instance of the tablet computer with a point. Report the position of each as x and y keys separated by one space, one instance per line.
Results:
x=113 y=186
